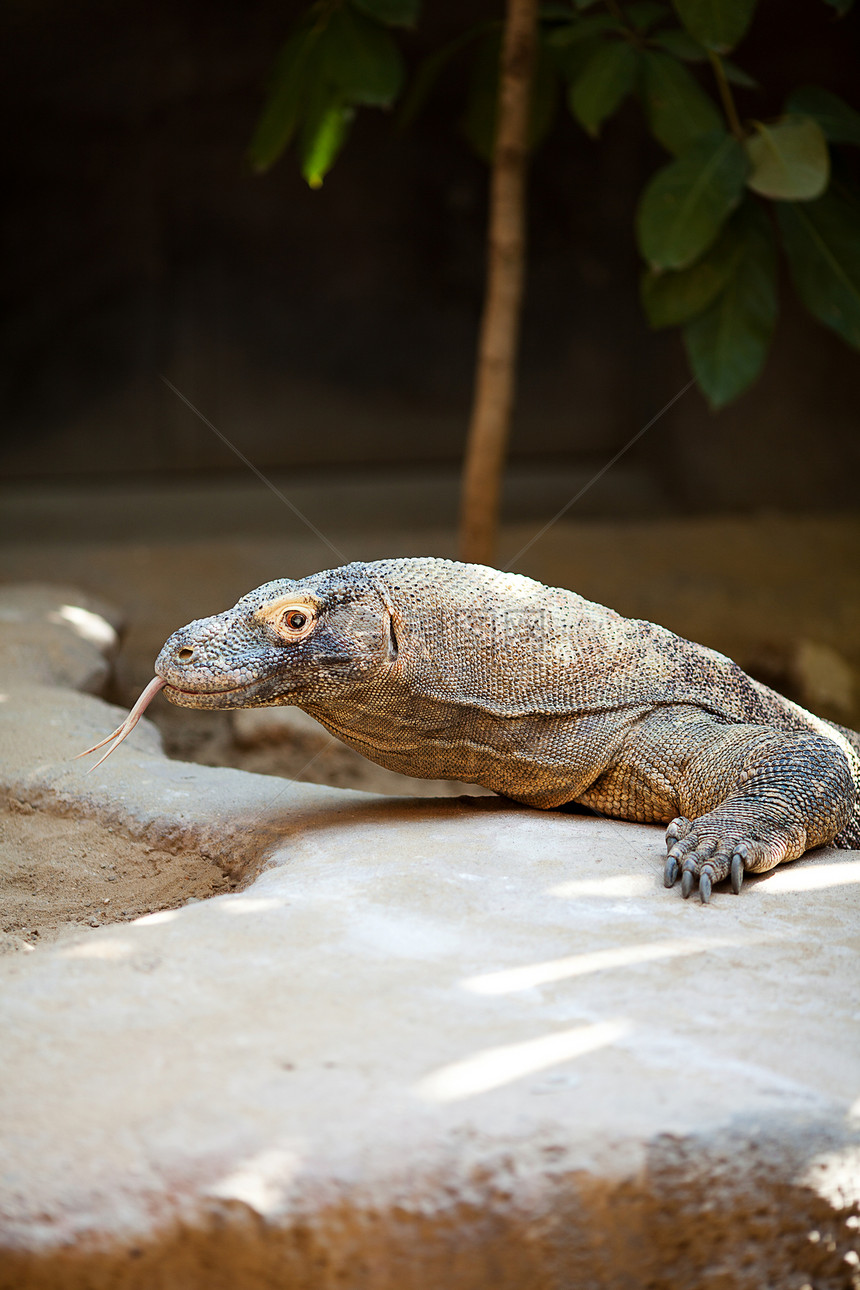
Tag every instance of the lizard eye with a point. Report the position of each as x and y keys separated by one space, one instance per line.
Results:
x=292 y=619
x=294 y=622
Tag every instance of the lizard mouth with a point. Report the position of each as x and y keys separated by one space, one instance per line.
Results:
x=257 y=692
x=170 y=691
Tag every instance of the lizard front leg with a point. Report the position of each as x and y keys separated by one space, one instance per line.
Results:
x=743 y=797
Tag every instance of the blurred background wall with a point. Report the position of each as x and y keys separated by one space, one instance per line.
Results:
x=338 y=326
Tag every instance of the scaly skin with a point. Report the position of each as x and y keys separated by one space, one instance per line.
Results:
x=446 y=670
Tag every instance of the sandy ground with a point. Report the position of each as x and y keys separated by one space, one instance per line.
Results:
x=61 y=877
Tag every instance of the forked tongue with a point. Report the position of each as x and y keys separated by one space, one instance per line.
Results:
x=156 y=684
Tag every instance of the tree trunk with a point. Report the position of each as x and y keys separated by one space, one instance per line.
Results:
x=495 y=376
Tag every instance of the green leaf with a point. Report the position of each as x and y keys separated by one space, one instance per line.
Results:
x=479 y=118
x=728 y=343
x=584 y=4
x=840 y=123
x=673 y=298
x=716 y=24
x=572 y=59
x=643 y=14
x=823 y=251
x=433 y=66
x=607 y=79
x=738 y=76
x=841 y=6
x=789 y=160
x=323 y=135
x=392 y=13
x=545 y=95
x=686 y=203
x=554 y=12
x=680 y=44
x=361 y=59
x=678 y=109
x=287 y=89
x=582 y=29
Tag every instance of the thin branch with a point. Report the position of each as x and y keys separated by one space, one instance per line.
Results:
x=726 y=97
x=497 y=349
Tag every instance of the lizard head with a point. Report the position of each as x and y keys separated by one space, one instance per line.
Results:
x=287 y=642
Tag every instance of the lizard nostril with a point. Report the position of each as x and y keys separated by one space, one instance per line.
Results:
x=185 y=654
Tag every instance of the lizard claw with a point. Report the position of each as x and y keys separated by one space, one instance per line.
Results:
x=687 y=879
x=670 y=872
x=737 y=874
x=705 y=887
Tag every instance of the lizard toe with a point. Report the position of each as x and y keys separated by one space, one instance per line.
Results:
x=700 y=862
x=682 y=856
x=678 y=829
x=684 y=847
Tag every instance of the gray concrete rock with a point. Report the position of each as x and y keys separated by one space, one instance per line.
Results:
x=451 y=1043
x=56 y=636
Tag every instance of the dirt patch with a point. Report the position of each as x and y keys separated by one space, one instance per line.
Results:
x=61 y=876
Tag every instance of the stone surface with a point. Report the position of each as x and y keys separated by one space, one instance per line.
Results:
x=454 y=1042
x=56 y=635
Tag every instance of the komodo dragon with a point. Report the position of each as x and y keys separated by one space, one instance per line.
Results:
x=445 y=670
